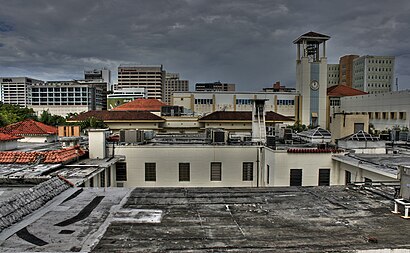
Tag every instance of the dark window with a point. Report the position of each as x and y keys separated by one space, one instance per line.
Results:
x=268 y=173
x=216 y=171
x=348 y=177
x=150 y=172
x=102 y=179
x=108 y=177
x=184 y=172
x=92 y=182
x=247 y=171
x=324 y=177
x=367 y=181
x=296 y=177
x=121 y=172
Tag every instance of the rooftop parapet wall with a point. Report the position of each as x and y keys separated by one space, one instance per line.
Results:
x=18 y=206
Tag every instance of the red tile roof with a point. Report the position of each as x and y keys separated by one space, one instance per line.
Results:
x=28 y=127
x=343 y=91
x=53 y=156
x=9 y=137
x=117 y=115
x=242 y=116
x=141 y=104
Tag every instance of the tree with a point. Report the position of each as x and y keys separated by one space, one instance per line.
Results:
x=10 y=114
x=53 y=120
x=92 y=122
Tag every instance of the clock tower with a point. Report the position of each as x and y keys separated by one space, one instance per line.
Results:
x=311 y=78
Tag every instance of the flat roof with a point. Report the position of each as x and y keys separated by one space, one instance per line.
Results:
x=282 y=219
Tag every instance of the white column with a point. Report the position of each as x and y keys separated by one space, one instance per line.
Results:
x=324 y=49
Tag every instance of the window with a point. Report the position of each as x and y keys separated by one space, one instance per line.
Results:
x=324 y=177
x=358 y=127
x=367 y=181
x=247 y=171
x=150 y=172
x=102 y=179
x=402 y=115
x=268 y=173
x=184 y=172
x=121 y=172
x=108 y=177
x=348 y=177
x=216 y=171
x=296 y=177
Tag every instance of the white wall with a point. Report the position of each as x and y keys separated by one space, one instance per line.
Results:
x=280 y=163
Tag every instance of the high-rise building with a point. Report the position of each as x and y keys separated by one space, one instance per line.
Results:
x=64 y=97
x=173 y=84
x=373 y=74
x=311 y=78
x=215 y=86
x=99 y=74
x=332 y=74
x=16 y=90
x=346 y=69
x=152 y=78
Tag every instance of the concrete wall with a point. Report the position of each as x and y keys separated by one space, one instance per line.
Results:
x=342 y=125
x=281 y=162
x=39 y=139
x=359 y=174
x=62 y=110
x=167 y=159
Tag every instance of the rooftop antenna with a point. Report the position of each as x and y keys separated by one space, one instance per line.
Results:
x=397 y=84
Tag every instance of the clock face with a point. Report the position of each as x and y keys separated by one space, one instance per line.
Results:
x=314 y=85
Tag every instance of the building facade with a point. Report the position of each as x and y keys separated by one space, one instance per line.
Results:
x=64 y=97
x=201 y=103
x=346 y=69
x=17 y=90
x=152 y=78
x=215 y=86
x=173 y=84
x=373 y=74
x=385 y=110
x=125 y=95
x=332 y=74
x=99 y=74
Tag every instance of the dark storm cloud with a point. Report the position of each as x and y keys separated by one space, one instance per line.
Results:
x=241 y=41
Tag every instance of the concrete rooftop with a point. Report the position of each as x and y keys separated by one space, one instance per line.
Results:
x=291 y=219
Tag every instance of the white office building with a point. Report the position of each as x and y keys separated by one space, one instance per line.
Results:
x=16 y=90
x=373 y=74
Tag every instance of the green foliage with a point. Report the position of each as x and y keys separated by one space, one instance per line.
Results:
x=297 y=127
x=10 y=114
x=52 y=120
x=92 y=122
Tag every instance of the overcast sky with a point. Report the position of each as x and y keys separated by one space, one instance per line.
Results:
x=238 y=41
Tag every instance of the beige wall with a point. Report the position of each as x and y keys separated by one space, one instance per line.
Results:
x=117 y=126
x=342 y=125
x=167 y=159
x=280 y=163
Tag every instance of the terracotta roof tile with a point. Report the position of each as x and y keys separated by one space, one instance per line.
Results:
x=28 y=127
x=141 y=104
x=53 y=156
x=343 y=91
x=9 y=137
x=117 y=115
x=243 y=116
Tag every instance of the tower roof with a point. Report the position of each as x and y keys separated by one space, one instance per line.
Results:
x=312 y=36
x=343 y=91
